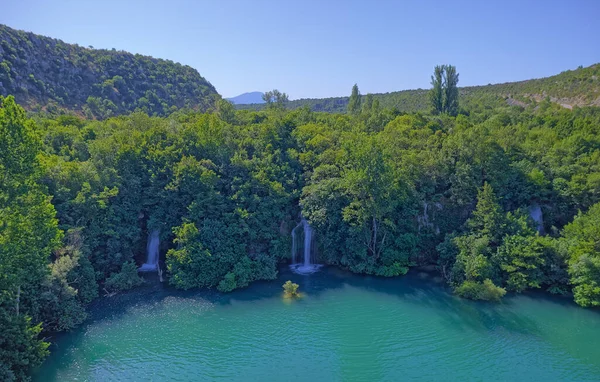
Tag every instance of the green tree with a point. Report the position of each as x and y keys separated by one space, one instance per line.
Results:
x=354 y=103
x=367 y=105
x=450 y=90
x=436 y=94
x=443 y=95
x=582 y=237
x=488 y=218
x=28 y=235
x=226 y=111
x=20 y=346
x=275 y=99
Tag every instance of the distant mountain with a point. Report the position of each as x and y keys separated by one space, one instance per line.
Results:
x=47 y=74
x=579 y=87
x=247 y=98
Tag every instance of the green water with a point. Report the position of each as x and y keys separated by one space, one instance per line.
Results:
x=346 y=328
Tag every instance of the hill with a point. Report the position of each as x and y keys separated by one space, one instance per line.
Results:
x=47 y=74
x=247 y=98
x=580 y=87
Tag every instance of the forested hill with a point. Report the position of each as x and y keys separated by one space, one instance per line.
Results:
x=47 y=74
x=580 y=87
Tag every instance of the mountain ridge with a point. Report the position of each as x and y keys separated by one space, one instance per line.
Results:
x=570 y=88
x=45 y=73
x=247 y=98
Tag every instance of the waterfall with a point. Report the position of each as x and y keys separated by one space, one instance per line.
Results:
x=151 y=263
x=307 y=266
x=535 y=212
x=294 y=243
x=307 y=242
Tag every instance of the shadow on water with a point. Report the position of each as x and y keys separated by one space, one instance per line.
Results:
x=426 y=290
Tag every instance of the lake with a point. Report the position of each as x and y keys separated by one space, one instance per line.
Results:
x=345 y=328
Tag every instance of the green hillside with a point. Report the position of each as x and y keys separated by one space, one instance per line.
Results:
x=580 y=87
x=47 y=74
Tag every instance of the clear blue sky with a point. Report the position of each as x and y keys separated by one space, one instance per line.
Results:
x=321 y=48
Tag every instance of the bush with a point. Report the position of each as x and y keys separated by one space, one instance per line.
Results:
x=126 y=279
x=290 y=289
x=480 y=291
x=395 y=269
x=228 y=283
x=20 y=347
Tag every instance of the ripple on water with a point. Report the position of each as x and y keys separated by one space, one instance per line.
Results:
x=345 y=328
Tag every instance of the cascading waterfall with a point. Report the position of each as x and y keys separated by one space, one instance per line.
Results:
x=307 y=265
x=535 y=211
x=307 y=242
x=294 y=244
x=151 y=263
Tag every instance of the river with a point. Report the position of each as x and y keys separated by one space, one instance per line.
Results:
x=345 y=328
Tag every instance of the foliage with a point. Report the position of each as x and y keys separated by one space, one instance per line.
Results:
x=354 y=102
x=28 y=234
x=382 y=190
x=126 y=279
x=275 y=99
x=45 y=73
x=20 y=348
x=485 y=290
x=450 y=88
x=436 y=94
x=579 y=87
x=290 y=289
x=582 y=237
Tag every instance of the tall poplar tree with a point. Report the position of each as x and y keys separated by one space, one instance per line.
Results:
x=450 y=90
x=436 y=94
x=355 y=101
x=444 y=92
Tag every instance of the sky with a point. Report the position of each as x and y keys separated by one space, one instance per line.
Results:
x=320 y=48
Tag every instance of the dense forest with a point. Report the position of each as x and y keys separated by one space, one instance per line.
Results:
x=47 y=74
x=499 y=197
x=579 y=87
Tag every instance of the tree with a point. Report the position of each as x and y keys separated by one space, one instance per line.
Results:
x=488 y=217
x=582 y=237
x=275 y=99
x=28 y=235
x=354 y=102
x=450 y=90
x=367 y=106
x=443 y=95
x=436 y=94
x=20 y=347
x=226 y=110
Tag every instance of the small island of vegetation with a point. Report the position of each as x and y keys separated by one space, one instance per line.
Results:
x=290 y=290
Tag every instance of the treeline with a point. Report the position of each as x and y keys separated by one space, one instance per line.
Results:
x=46 y=74
x=383 y=190
x=579 y=87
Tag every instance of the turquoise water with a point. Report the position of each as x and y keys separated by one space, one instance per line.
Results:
x=345 y=328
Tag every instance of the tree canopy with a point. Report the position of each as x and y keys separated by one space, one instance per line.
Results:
x=383 y=190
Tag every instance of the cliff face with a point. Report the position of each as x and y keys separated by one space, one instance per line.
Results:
x=46 y=73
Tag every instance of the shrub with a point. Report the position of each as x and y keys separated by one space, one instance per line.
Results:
x=126 y=279
x=480 y=291
x=290 y=289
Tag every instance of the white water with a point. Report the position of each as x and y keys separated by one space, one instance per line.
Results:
x=535 y=211
x=307 y=266
x=151 y=263
x=294 y=244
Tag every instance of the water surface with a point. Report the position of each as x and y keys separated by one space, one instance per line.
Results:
x=345 y=328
